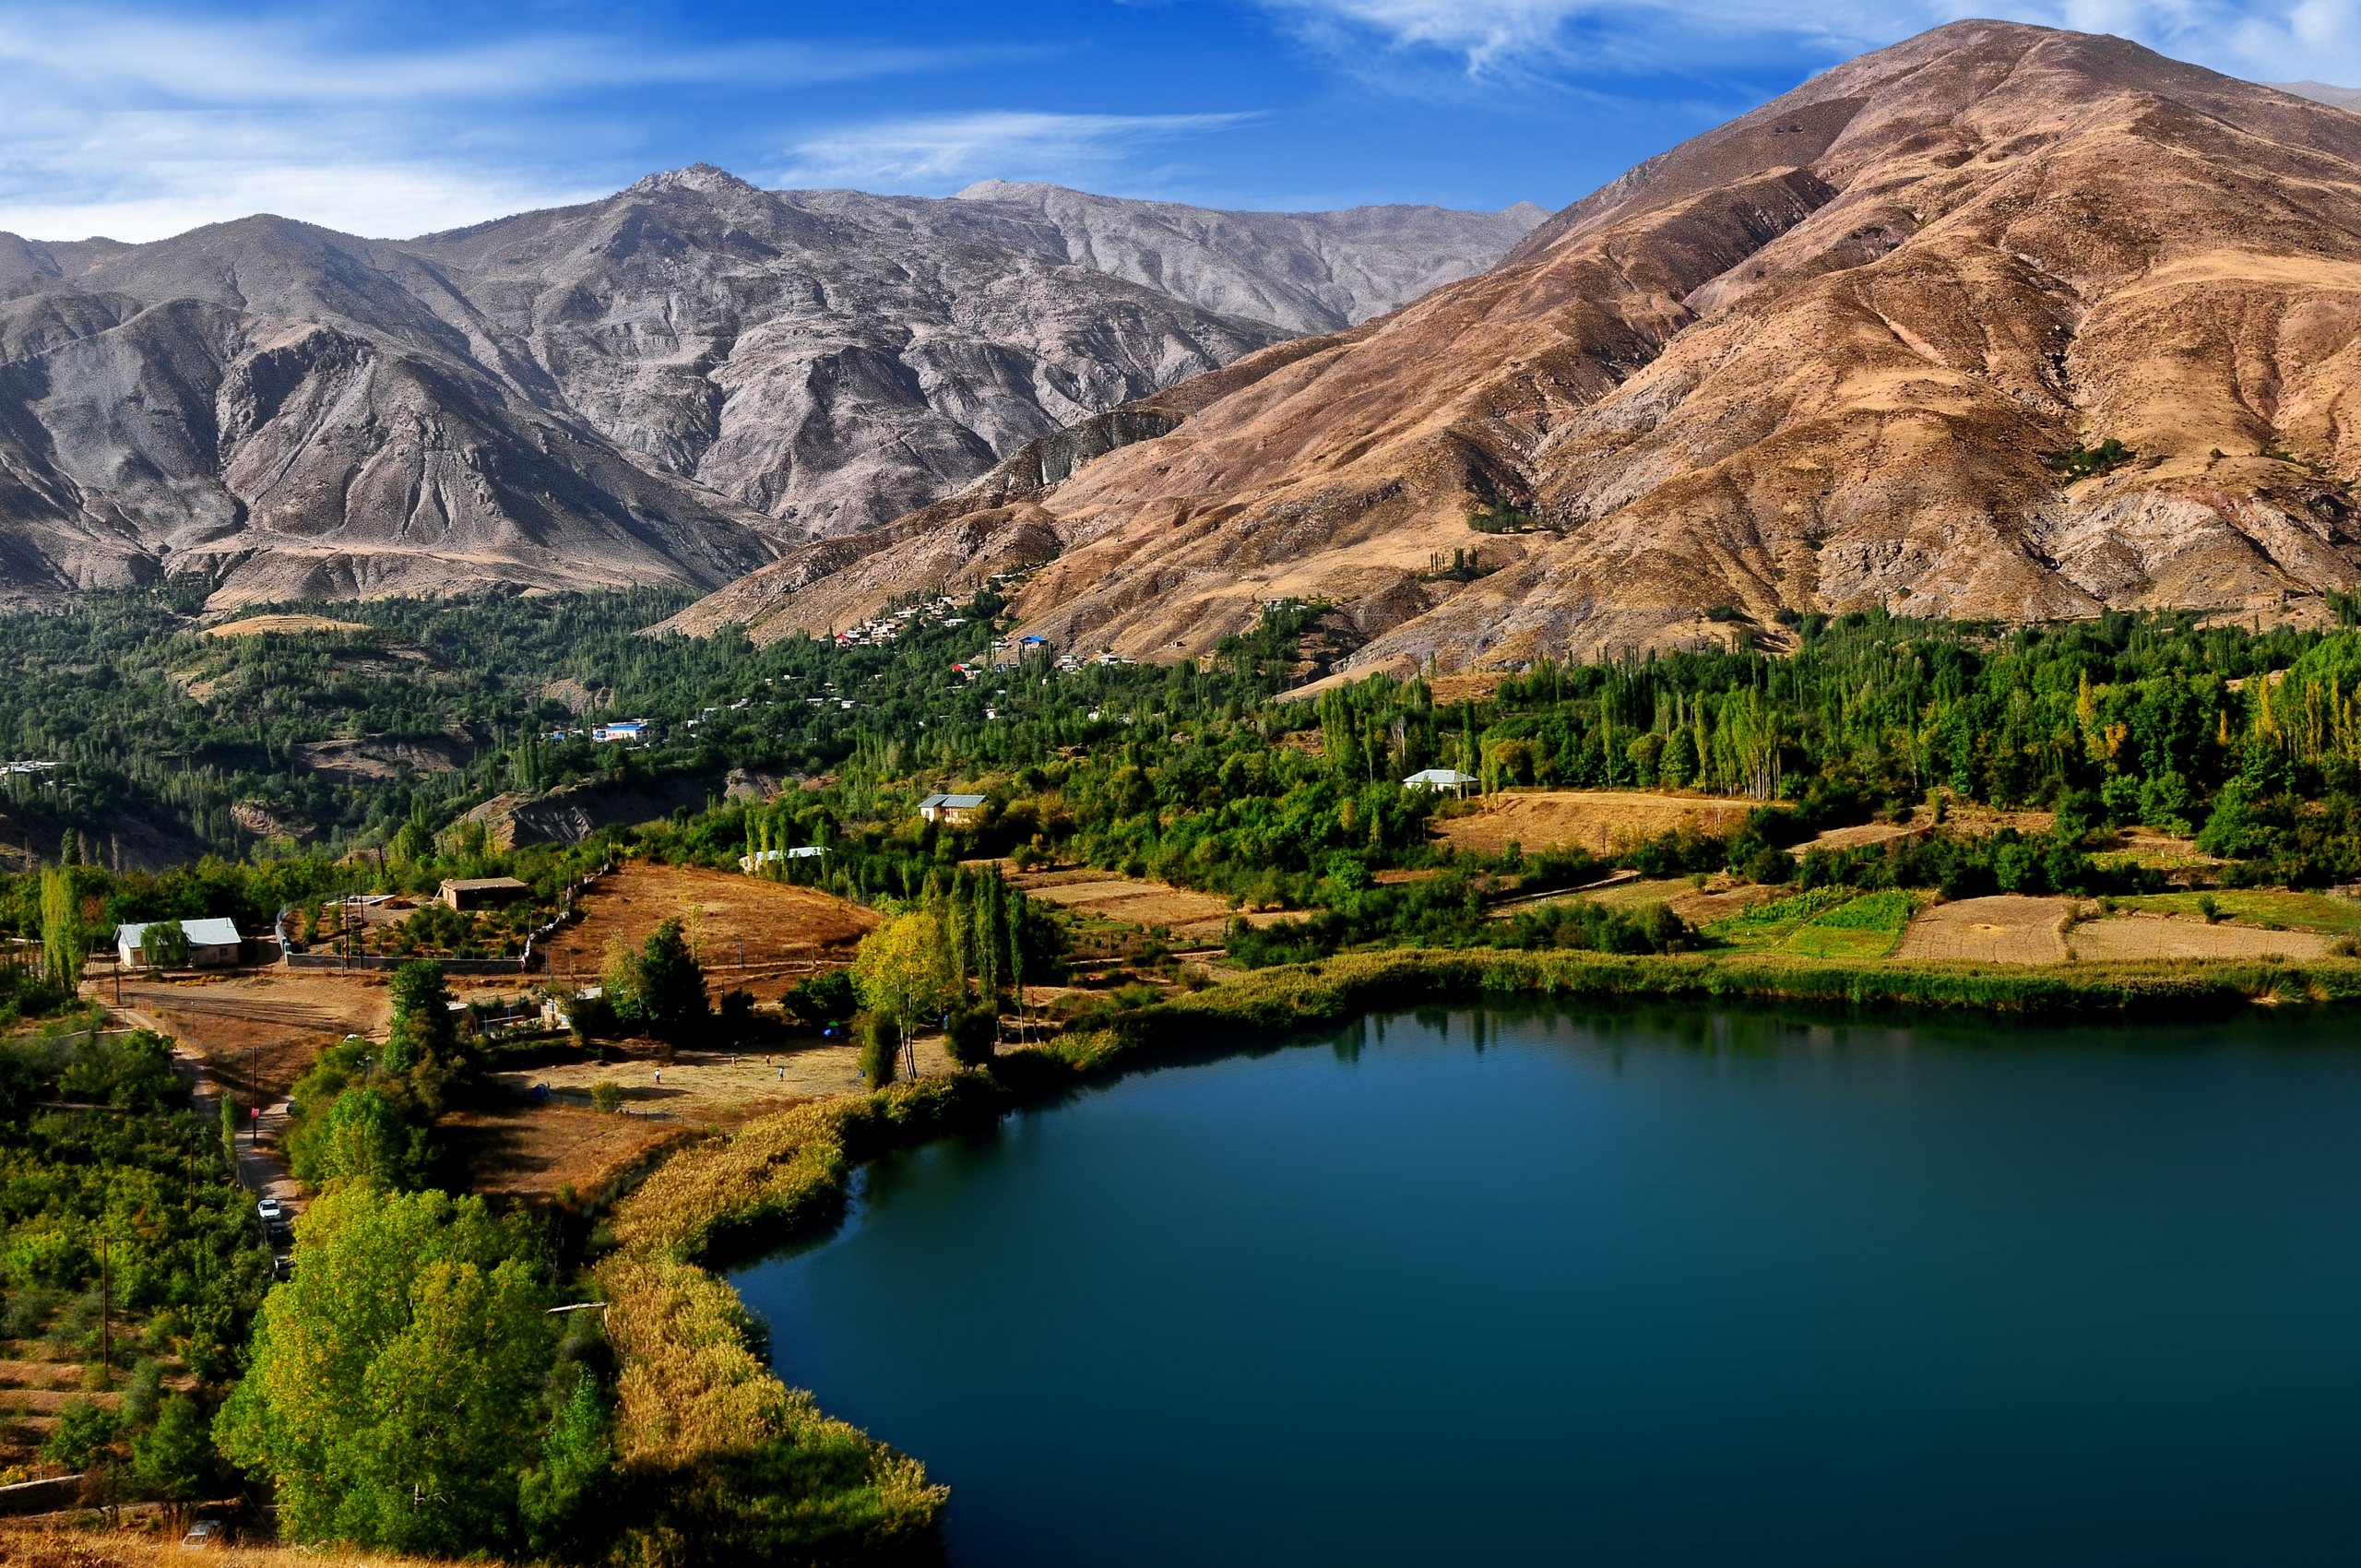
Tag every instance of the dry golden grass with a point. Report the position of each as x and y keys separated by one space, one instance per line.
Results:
x=1130 y=901
x=2008 y=928
x=2145 y=935
x=527 y=1150
x=48 y=1545
x=254 y=625
x=782 y=933
x=1866 y=833
x=1595 y=820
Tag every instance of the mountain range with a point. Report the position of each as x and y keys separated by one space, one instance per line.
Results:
x=1999 y=322
x=674 y=384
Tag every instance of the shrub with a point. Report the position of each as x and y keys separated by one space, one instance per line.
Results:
x=971 y=1034
x=607 y=1095
x=879 y=1049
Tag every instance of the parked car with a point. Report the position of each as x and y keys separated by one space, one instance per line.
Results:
x=269 y=1212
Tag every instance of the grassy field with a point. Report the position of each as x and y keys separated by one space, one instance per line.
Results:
x=2273 y=909
x=1769 y=925
x=1595 y=820
x=1868 y=927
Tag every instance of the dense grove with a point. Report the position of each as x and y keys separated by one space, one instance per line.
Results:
x=106 y=1169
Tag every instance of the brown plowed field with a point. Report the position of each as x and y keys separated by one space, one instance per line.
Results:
x=257 y=1033
x=1595 y=820
x=2010 y=928
x=783 y=932
x=2145 y=935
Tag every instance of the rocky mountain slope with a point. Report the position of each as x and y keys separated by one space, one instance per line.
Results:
x=676 y=384
x=1306 y=271
x=1865 y=346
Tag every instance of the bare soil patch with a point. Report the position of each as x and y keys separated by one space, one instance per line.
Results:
x=1595 y=820
x=2143 y=934
x=1135 y=902
x=2008 y=928
x=257 y=1034
x=747 y=931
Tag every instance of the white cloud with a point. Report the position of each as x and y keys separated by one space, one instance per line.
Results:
x=146 y=174
x=938 y=152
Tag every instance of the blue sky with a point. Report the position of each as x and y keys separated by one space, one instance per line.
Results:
x=139 y=121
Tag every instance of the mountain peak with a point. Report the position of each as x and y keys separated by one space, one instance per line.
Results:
x=701 y=178
x=1000 y=190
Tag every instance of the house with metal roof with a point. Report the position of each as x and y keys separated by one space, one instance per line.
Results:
x=212 y=945
x=956 y=810
x=1439 y=779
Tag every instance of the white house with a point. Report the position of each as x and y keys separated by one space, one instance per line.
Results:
x=212 y=943
x=955 y=810
x=1439 y=779
x=772 y=857
x=621 y=729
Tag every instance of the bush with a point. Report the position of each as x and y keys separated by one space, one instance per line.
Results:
x=971 y=1034
x=823 y=1000
x=607 y=1095
x=1770 y=866
x=879 y=1049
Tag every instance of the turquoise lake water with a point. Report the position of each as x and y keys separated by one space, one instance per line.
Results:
x=1649 y=1287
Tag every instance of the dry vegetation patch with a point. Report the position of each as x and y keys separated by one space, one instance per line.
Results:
x=44 y=1544
x=1595 y=820
x=747 y=931
x=2007 y=928
x=527 y=1150
x=254 y=625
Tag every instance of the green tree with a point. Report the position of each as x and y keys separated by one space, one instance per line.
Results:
x=61 y=931
x=576 y=1454
x=671 y=986
x=84 y=1430
x=903 y=970
x=360 y=1137
x=172 y=1460
x=164 y=943
x=423 y=1042
x=394 y=1390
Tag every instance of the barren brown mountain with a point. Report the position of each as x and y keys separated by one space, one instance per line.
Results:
x=1865 y=346
x=674 y=383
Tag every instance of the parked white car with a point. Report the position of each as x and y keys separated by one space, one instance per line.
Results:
x=269 y=1212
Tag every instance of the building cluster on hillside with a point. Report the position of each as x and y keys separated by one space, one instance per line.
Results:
x=886 y=628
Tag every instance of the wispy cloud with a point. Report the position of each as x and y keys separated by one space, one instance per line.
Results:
x=223 y=61
x=142 y=124
x=1504 y=41
x=936 y=153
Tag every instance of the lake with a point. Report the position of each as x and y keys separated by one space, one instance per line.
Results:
x=1677 y=1286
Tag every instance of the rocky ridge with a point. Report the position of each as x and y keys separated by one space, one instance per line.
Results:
x=2001 y=321
x=675 y=384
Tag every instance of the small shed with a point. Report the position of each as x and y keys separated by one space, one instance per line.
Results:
x=212 y=943
x=465 y=893
x=1439 y=779
x=956 y=810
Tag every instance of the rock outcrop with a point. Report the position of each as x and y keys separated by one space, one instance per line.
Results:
x=677 y=384
x=2001 y=321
